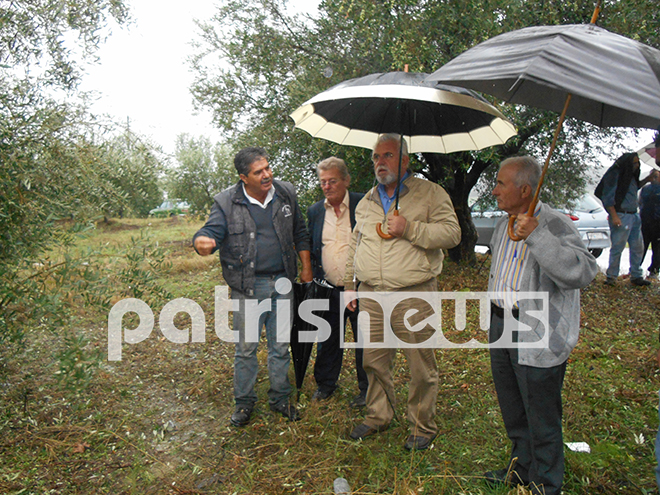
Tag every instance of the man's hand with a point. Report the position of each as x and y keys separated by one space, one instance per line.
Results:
x=525 y=225
x=351 y=305
x=616 y=221
x=306 y=274
x=204 y=245
x=396 y=225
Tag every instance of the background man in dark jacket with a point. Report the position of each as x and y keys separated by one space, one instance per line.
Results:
x=257 y=226
x=620 y=185
x=330 y=224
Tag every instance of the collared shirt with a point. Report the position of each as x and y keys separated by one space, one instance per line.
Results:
x=509 y=267
x=336 y=238
x=386 y=200
x=269 y=197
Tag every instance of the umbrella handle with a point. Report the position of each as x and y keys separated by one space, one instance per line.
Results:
x=379 y=228
x=530 y=212
x=510 y=231
x=535 y=199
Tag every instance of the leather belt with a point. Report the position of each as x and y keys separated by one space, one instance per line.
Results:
x=500 y=311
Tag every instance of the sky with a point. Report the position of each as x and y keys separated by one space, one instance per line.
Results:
x=143 y=77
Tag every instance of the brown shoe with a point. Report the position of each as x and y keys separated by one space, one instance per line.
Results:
x=418 y=443
x=364 y=431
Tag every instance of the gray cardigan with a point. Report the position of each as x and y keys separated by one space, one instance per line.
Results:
x=559 y=264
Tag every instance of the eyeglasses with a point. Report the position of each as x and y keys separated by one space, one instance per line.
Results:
x=387 y=156
x=329 y=182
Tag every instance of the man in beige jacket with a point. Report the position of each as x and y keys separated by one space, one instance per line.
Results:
x=410 y=261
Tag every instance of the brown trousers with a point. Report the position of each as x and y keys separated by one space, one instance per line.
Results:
x=423 y=385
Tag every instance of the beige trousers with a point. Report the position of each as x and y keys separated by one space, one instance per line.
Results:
x=423 y=385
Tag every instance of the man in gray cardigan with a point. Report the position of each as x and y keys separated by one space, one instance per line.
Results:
x=550 y=258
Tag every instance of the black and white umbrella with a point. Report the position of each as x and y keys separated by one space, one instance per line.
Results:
x=431 y=117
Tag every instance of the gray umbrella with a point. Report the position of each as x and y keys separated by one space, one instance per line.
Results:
x=582 y=70
x=613 y=80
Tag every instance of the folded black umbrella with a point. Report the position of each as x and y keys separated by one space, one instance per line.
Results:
x=301 y=351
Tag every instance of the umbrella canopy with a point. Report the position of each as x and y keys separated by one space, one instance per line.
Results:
x=615 y=81
x=647 y=155
x=582 y=70
x=431 y=117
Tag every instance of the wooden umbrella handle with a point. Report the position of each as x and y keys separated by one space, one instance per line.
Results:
x=535 y=200
x=379 y=228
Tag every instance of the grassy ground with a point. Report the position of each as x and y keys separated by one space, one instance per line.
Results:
x=157 y=422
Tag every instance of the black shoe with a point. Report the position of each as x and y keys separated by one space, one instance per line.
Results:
x=241 y=416
x=322 y=395
x=359 y=401
x=286 y=410
x=504 y=477
x=418 y=443
x=640 y=282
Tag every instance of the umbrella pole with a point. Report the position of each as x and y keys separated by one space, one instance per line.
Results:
x=535 y=200
x=379 y=226
x=594 y=18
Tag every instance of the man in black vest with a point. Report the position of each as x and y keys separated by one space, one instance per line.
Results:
x=257 y=226
x=330 y=224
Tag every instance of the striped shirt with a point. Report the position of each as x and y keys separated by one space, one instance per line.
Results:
x=509 y=267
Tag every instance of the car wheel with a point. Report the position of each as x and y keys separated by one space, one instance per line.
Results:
x=596 y=252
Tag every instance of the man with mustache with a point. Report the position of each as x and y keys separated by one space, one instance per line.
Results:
x=257 y=227
x=410 y=261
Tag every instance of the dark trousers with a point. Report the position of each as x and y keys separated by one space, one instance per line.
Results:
x=530 y=401
x=651 y=235
x=329 y=354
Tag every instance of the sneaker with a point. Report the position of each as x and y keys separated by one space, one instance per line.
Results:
x=610 y=281
x=639 y=282
x=286 y=410
x=241 y=416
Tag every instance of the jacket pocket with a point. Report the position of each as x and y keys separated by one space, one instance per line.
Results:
x=236 y=242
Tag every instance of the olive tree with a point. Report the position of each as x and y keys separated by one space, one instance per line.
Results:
x=256 y=63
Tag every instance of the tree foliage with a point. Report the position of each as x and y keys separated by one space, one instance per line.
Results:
x=132 y=166
x=256 y=63
x=51 y=171
x=202 y=170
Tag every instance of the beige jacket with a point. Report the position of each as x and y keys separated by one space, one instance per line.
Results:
x=412 y=259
